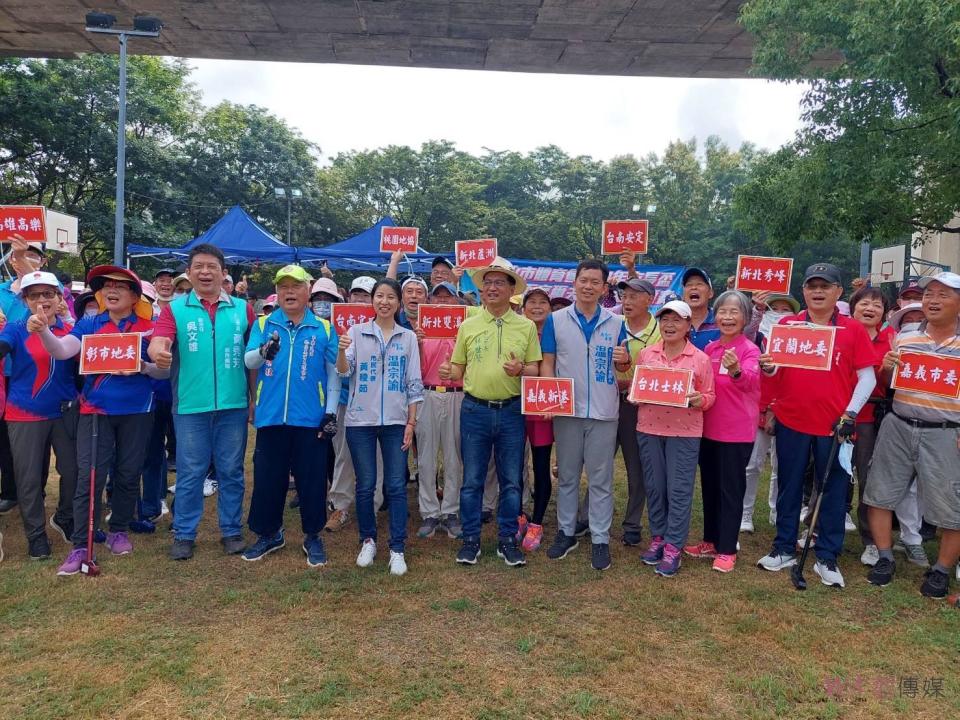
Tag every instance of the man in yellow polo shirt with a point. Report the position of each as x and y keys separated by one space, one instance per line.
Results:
x=494 y=348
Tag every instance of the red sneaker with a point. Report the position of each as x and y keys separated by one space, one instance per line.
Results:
x=533 y=537
x=702 y=549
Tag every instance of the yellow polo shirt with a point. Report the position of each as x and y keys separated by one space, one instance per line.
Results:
x=635 y=343
x=484 y=343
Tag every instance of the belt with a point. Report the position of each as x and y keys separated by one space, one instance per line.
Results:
x=442 y=388
x=496 y=404
x=927 y=424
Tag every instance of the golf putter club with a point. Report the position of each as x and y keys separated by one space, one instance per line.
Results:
x=796 y=572
x=89 y=566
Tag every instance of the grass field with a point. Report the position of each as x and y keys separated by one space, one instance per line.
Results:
x=217 y=637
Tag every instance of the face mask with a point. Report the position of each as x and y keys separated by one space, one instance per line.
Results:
x=90 y=310
x=322 y=308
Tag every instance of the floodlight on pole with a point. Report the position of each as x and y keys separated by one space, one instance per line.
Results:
x=290 y=194
x=143 y=26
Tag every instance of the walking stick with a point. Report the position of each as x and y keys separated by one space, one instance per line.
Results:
x=89 y=566
x=796 y=573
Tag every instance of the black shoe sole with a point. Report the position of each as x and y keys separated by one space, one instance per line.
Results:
x=565 y=552
x=873 y=582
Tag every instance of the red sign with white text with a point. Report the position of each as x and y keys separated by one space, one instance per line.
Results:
x=27 y=221
x=661 y=385
x=345 y=315
x=441 y=321
x=620 y=235
x=756 y=274
x=110 y=353
x=543 y=395
x=475 y=253
x=403 y=239
x=802 y=346
x=928 y=373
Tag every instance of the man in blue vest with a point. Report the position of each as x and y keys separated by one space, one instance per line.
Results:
x=578 y=342
x=202 y=336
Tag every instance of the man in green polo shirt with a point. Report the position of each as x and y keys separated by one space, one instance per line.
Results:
x=494 y=348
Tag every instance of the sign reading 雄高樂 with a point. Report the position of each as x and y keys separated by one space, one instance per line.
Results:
x=546 y=396
x=475 y=253
x=656 y=385
x=755 y=273
x=403 y=239
x=345 y=315
x=621 y=235
x=110 y=353
x=27 y=221
x=809 y=347
x=441 y=321
x=928 y=373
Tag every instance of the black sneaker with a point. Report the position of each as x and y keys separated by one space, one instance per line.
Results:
x=600 y=556
x=882 y=573
x=562 y=545
x=40 y=547
x=935 y=584
x=469 y=552
x=181 y=550
x=64 y=528
x=630 y=538
x=581 y=529
x=6 y=506
x=512 y=555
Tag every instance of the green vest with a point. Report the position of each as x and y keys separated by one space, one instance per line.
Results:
x=210 y=374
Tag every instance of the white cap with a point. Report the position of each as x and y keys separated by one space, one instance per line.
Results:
x=677 y=306
x=39 y=277
x=364 y=282
x=951 y=280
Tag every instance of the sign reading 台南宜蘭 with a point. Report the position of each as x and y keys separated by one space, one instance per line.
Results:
x=546 y=396
x=27 y=221
x=771 y=274
x=656 y=385
x=345 y=315
x=621 y=235
x=809 y=347
x=441 y=321
x=403 y=239
x=928 y=373
x=110 y=353
x=475 y=253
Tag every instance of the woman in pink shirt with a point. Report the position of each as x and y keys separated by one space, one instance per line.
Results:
x=669 y=439
x=729 y=429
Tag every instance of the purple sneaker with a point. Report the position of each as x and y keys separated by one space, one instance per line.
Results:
x=654 y=551
x=670 y=563
x=71 y=566
x=119 y=543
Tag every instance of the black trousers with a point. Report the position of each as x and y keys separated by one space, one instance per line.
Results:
x=723 y=481
x=280 y=450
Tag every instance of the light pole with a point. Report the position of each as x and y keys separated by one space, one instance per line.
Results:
x=290 y=194
x=143 y=26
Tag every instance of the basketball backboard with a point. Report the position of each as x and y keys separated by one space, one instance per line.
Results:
x=62 y=233
x=887 y=264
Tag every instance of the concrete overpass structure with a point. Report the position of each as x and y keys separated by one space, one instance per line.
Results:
x=681 y=38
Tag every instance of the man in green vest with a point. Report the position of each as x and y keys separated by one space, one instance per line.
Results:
x=201 y=337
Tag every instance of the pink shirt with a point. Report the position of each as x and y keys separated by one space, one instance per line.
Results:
x=735 y=414
x=433 y=352
x=674 y=421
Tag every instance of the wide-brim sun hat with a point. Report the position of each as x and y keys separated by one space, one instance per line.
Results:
x=896 y=320
x=501 y=265
x=328 y=286
x=99 y=275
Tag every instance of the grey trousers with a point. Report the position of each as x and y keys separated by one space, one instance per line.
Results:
x=670 y=470
x=28 y=440
x=438 y=430
x=584 y=444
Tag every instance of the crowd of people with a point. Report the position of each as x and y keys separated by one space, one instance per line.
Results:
x=338 y=416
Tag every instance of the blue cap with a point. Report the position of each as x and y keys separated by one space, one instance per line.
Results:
x=695 y=272
x=446 y=286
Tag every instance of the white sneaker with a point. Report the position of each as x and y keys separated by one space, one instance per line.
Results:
x=368 y=551
x=746 y=525
x=775 y=562
x=848 y=524
x=829 y=574
x=164 y=510
x=870 y=556
x=916 y=555
x=172 y=489
x=209 y=487
x=398 y=566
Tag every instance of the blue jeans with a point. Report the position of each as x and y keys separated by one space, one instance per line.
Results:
x=793 y=452
x=219 y=436
x=484 y=430
x=362 y=441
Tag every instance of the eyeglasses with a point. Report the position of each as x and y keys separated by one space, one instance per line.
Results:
x=44 y=294
x=495 y=283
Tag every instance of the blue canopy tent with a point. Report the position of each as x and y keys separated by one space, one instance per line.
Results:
x=361 y=253
x=239 y=236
